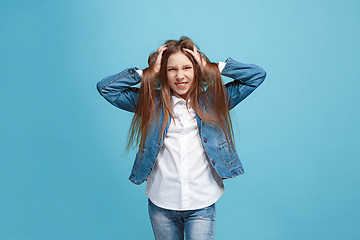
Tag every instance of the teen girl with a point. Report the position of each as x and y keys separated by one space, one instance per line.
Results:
x=183 y=128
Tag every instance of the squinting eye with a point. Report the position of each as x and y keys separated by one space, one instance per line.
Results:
x=171 y=69
x=187 y=67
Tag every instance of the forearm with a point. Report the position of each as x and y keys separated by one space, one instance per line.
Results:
x=248 y=74
x=247 y=77
x=118 y=89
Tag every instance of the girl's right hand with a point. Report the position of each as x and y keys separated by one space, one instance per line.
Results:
x=157 y=63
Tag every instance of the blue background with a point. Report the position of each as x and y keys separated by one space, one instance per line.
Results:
x=63 y=174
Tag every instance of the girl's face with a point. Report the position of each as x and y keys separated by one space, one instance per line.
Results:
x=180 y=74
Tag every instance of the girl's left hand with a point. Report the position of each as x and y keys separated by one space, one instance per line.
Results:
x=198 y=58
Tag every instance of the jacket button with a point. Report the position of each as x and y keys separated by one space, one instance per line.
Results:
x=213 y=161
x=205 y=140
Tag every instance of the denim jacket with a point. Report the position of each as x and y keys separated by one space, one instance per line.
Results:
x=119 y=90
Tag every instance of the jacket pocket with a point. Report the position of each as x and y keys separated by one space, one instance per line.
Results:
x=228 y=156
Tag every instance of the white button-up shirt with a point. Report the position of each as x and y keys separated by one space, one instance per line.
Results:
x=182 y=178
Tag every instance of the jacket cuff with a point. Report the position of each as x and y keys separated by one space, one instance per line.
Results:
x=139 y=71
x=221 y=66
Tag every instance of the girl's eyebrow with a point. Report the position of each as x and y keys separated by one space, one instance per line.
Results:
x=186 y=65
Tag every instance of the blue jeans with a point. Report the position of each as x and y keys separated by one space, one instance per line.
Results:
x=196 y=224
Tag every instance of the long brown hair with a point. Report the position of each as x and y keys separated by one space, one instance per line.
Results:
x=207 y=95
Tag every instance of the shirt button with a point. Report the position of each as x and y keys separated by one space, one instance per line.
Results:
x=205 y=140
x=213 y=161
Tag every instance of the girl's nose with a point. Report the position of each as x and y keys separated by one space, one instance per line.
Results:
x=180 y=75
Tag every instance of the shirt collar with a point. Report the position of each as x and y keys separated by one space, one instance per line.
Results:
x=176 y=100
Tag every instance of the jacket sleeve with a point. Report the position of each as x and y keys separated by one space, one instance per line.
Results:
x=247 y=77
x=119 y=91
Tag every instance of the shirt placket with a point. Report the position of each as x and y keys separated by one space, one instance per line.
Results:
x=183 y=158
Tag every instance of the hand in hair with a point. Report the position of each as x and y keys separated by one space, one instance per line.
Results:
x=157 y=63
x=197 y=56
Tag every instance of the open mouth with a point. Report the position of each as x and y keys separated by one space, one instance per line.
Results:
x=181 y=84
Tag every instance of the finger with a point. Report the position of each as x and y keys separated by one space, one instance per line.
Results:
x=162 y=48
x=191 y=52
x=159 y=58
x=195 y=55
x=198 y=58
x=194 y=49
x=160 y=52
